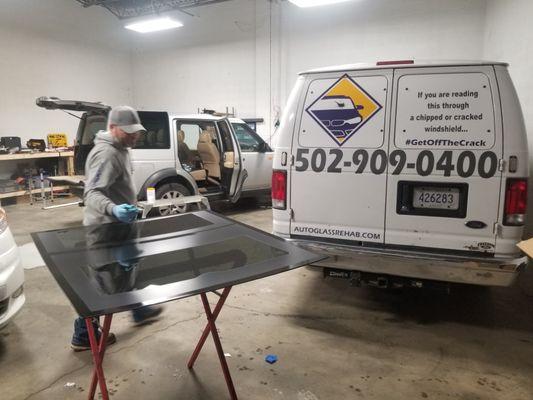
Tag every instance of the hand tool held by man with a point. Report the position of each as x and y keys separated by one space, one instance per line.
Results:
x=110 y=194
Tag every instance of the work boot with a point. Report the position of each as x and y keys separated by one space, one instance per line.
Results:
x=145 y=315
x=80 y=338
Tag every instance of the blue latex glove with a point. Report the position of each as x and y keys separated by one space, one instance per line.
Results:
x=125 y=213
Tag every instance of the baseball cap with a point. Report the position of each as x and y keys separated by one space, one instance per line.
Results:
x=126 y=118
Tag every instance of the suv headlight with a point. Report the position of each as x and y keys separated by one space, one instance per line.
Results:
x=3 y=220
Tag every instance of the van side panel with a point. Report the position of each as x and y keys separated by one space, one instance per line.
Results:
x=514 y=144
x=282 y=143
x=447 y=133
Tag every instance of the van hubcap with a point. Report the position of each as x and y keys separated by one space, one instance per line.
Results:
x=173 y=194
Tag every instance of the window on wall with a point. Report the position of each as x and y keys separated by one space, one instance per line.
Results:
x=157 y=134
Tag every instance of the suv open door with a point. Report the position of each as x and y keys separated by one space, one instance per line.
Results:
x=55 y=103
x=233 y=173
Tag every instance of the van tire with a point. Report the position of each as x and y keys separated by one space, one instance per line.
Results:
x=171 y=190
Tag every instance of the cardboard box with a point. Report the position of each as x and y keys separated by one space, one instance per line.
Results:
x=527 y=247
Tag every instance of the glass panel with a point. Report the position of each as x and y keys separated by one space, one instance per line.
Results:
x=126 y=271
x=192 y=130
x=157 y=134
x=108 y=234
x=93 y=124
x=226 y=135
x=124 y=274
x=191 y=134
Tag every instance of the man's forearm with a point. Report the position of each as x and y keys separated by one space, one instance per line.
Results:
x=99 y=202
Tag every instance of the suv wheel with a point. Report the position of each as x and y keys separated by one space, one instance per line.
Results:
x=172 y=191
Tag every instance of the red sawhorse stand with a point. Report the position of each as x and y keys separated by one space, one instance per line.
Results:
x=98 y=348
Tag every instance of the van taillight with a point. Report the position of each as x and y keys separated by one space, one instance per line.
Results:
x=515 y=202
x=279 y=189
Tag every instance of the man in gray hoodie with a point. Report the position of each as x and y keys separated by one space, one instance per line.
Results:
x=110 y=195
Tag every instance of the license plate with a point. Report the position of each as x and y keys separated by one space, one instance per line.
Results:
x=435 y=197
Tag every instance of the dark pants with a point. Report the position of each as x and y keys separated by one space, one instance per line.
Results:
x=81 y=334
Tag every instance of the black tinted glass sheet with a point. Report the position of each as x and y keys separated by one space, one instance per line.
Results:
x=109 y=234
x=117 y=267
x=124 y=271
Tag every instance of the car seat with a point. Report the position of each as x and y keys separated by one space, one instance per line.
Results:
x=186 y=156
x=209 y=153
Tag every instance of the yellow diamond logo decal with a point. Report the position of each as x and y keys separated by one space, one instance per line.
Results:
x=343 y=109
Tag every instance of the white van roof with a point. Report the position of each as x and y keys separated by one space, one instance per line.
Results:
x=401 y=64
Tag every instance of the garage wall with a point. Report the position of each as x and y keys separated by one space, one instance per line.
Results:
x=33 y=66
x=367 y=31
x=509 y=38
x=184 y=79
x=250 y=63
x=256 y=72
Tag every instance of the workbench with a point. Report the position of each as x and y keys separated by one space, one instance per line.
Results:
x=67 y=156
x=65 y=167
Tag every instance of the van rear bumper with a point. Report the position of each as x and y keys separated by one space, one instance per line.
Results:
x=494 y=271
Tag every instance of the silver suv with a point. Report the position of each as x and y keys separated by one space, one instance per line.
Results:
x=218 y=157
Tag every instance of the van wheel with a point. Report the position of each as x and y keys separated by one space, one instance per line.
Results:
x=172 y=191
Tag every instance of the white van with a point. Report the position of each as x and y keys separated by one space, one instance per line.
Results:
x=404 y=172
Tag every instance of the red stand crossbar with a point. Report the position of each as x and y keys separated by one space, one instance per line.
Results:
x=211 y=327
x=98 y=351
x=98 y=347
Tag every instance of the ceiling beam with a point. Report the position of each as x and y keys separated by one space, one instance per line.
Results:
x=124 y=9
x=89 y=3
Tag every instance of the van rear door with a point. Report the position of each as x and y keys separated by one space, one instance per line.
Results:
x=338 y=178
x=445 y=149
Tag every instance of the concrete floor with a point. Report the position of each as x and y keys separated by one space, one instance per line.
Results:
x=333 y=341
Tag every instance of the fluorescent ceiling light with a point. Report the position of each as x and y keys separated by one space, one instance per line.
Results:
x=154 y=25
x=314 y=3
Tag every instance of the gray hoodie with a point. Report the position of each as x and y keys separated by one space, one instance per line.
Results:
x=108 y=180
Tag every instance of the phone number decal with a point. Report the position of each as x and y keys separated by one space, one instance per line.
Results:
x=466 y=164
